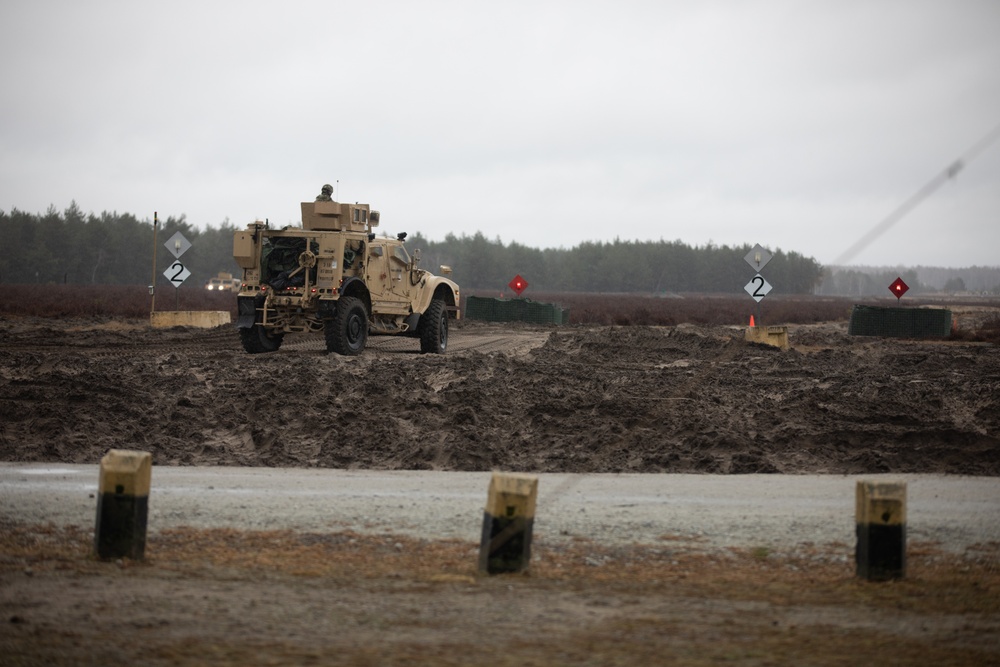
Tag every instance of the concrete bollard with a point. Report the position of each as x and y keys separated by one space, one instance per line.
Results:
x=880 y=512
x=123 y=504
x=508 y=521
x=774 y=336
x=203 y=319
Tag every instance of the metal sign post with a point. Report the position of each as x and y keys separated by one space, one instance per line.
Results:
x=177 y=273
x=152 y=283
x=757 y=288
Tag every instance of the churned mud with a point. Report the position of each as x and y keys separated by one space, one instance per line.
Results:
x=543 y=399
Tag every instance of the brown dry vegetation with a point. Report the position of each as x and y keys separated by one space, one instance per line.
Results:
x=604 y=309
x=125 y=301
x=707 y=309
x=720 y=309
x=272 y=598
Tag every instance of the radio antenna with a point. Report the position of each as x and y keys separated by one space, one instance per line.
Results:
x=949 y=173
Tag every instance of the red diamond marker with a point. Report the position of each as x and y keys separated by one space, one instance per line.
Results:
x=518 y=284
x=899 y=288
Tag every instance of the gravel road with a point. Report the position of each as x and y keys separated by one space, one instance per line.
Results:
x=779 y=512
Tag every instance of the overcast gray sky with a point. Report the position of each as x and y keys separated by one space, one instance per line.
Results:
x=797 y=125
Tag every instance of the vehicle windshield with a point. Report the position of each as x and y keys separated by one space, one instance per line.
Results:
x=399 y=253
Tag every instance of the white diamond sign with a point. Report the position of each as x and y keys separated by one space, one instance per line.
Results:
x=757 y=258
x=757 y=287
x=177 y=273
x=177 y=245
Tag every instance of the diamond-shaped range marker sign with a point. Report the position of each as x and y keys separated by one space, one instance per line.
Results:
x=518 y=284
x=758 y=257
x=899 y=288
x=177 y=245
x=757 y=287
x=176 y=273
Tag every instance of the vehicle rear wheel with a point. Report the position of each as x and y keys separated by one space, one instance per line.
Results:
x=434 y=328
x=257 y=340
x=347 y=332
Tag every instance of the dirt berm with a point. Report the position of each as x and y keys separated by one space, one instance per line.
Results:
x=571 y=399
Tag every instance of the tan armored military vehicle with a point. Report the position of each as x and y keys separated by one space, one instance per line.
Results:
x=224 y=282
x=336 y=276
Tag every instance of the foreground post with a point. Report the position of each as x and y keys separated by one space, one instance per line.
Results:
x=507 y=523
x=123 y=504
x=880 y=511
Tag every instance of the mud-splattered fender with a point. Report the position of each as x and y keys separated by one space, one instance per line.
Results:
x=246 y=310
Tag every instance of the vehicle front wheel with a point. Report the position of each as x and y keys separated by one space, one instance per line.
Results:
x=434 y=328
x=347 y=332
x=257 y=340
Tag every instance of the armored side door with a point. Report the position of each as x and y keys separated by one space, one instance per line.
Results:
x=399 y=272
x=382 y=278
x=377 y=271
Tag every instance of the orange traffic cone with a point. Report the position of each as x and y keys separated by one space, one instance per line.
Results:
x=751 y=321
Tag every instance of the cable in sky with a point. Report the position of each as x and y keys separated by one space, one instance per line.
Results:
x=949 y=173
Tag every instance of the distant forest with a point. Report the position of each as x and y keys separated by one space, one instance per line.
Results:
x=112 y=248
x=875 y=280
x=107 y=249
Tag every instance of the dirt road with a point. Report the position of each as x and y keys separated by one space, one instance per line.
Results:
x=696 y=512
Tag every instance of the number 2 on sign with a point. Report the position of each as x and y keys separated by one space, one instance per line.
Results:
x=757 y=287
x=176 y=278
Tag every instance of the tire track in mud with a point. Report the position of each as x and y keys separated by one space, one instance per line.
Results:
x=94 y=343
x=458 y=341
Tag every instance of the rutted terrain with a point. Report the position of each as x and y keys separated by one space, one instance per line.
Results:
x=514 y=397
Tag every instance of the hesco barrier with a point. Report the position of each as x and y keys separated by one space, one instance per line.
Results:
x=514 y=310
x=900 y=322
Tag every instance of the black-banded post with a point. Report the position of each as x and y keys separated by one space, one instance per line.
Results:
x=152 y=283
x=508 y=521
x=880 y=510
x=123 y=504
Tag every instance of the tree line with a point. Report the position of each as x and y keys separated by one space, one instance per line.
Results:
x=107 y=249
x=875 y=281
x=618 y=266
x=112 y=248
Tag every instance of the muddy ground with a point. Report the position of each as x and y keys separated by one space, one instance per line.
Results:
x=576 y=399
x=571 y=399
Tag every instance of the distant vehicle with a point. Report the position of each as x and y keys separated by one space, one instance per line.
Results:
x=224 y=282
x=334 y=275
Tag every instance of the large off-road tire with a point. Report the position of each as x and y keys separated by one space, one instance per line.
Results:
x=256 y=340
x=434 y=328
x=347 y=332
